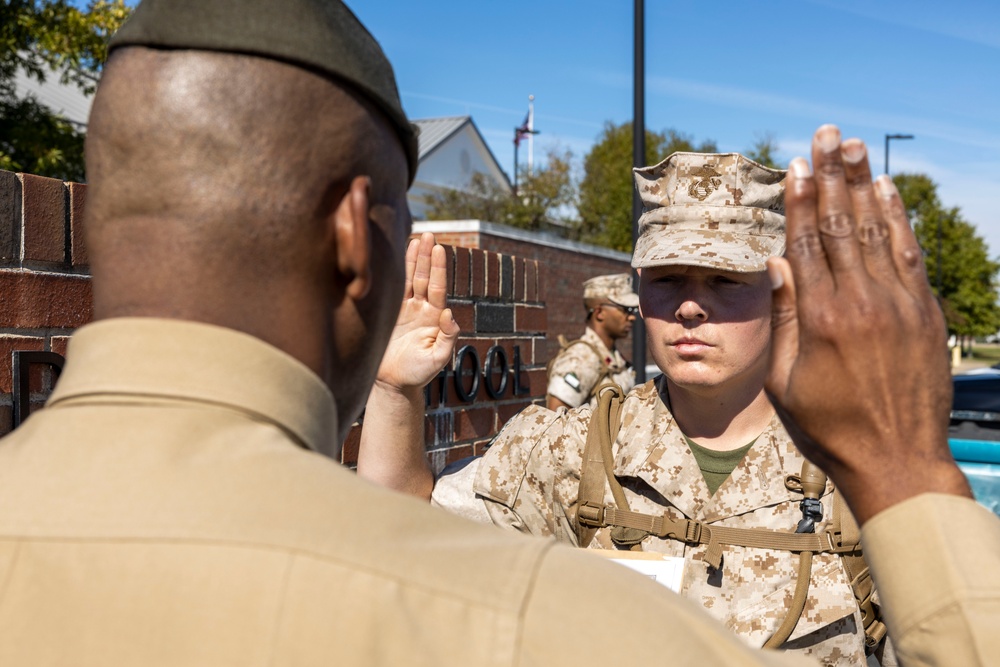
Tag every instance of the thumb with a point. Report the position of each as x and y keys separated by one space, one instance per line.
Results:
x=784 y=327
x=448 y=334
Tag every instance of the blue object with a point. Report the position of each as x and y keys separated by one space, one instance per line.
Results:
x=980 y=461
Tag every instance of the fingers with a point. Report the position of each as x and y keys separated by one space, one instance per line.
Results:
x=906 y=255
x=422 y=269
x=437 y=288
x=835 y=215
x=872 y=231
x=411 y=265
x=805 y=250
x=784 y=326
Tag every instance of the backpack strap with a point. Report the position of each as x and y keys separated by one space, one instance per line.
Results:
x=598 y=461
x=628 y=528
x=859 y=575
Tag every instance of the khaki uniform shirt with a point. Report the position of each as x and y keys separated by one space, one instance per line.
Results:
x=577 y=368
x=529 y=480
x=166 y=509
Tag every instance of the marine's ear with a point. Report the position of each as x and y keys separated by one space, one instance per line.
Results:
x=638 y=272
x=352 y=237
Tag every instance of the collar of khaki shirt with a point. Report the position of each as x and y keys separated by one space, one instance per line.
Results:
x=188 y=361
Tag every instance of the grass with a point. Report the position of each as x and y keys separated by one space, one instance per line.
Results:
x=984 y=352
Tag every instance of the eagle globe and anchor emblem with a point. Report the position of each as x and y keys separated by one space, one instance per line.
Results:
x=707 y=181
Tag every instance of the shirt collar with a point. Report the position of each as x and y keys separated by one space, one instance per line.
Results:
x=591 y=337
x=200 y=362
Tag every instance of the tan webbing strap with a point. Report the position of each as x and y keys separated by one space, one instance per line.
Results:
x=696 y=532
x=859 y=574
x=598 y=462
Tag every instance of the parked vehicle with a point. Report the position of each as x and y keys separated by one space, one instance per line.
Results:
x=974 y=433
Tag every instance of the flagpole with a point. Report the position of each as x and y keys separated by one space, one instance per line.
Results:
x=516 y=141
x=531 y=132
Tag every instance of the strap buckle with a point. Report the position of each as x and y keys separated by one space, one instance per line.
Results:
x=685 y=530
x=591 y=515
x=692 y=532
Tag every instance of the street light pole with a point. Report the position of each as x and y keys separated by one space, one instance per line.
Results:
x=887 y=138
x=638 y=160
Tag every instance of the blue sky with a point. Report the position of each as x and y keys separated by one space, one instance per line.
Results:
x=729 y=71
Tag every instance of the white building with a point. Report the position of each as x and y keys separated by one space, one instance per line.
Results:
x=451 y=150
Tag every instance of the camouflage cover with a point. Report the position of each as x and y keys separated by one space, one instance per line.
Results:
x=719 y=210
x=576 y=370
x=616 y=288
x=529 y=479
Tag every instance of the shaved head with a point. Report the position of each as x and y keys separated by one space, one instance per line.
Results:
x=239 y=149
x=214 y=181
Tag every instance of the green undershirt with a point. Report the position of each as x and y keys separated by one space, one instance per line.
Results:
x=717 y=466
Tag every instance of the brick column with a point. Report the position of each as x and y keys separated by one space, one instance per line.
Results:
x=44 y=276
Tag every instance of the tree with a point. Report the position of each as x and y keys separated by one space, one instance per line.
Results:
x=40 y=38
x=542 y=200
x=763 y=150
x=605 y=207
x=965 y=279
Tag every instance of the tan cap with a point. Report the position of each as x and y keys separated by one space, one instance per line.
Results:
x=720 y=210
x=616 y=288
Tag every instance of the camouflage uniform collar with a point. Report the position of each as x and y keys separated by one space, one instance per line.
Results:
x=614 y=360
x=652 y=448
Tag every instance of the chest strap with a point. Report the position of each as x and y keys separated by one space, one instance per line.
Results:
x=698 y=532
x=842 y=536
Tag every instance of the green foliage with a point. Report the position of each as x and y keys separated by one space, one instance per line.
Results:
x=967 y=280
x=542 y=198
x=43 y=37
x=763 y=151
x=605 y=206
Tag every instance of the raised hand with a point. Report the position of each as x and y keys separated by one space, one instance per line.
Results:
x=859 y=373
x=392 y=435
x=425 y=333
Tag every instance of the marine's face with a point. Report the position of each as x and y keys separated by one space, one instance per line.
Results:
x=707 y=328
x=617 y=320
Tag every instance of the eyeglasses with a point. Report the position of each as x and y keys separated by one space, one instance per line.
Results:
x=628 y=310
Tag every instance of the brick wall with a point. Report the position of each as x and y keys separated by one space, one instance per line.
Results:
x=565 y=265
x=44 y=276
x=497 y=299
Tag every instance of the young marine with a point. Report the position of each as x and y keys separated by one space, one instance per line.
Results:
x=701 y=446
x=582 y=364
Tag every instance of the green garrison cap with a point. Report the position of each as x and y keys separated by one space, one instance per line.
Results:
x=323 y=35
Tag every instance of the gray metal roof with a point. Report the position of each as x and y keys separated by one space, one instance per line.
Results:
x=66 y=100
x=434 y=131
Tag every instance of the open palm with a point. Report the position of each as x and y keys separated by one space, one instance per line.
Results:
x=425 y=334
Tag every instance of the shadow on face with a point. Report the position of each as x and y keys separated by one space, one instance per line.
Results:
x=695 y=293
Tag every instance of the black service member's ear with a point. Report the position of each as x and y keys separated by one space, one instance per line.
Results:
x=353 y=238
